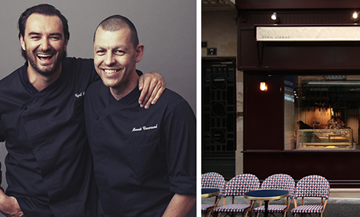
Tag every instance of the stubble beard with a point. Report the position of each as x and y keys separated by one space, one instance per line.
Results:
x=47 y=72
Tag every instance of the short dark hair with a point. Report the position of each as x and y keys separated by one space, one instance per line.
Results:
x=115 y=23
x=44 y=9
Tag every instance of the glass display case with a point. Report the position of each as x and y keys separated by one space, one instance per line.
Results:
x=325 y=139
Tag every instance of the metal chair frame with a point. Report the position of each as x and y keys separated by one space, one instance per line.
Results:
x=238 y=186
x=311 y=186
x=212 y=180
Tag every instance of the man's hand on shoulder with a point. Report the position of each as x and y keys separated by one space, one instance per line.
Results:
x=9 y=206
x=152 y=85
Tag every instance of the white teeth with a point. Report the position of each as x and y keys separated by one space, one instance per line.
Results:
x=110 y=71
x=44 y=55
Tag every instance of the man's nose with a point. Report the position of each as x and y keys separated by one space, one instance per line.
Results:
x=109 y=59
x=45 y=44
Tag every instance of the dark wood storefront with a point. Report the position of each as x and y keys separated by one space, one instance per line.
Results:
x=264 y=152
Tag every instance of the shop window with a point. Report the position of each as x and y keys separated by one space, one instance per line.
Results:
x=322 y=112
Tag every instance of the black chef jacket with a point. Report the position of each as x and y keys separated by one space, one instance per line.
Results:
x=49 y=166
x=142 y=157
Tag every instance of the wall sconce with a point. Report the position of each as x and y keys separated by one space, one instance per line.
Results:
x=355 y=16
x=274 y=17
x=263 y=86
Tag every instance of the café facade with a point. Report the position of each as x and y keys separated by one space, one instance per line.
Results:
x=301 y=64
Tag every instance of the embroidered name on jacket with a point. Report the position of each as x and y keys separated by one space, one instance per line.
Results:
x=139 y=129
x=78 y=95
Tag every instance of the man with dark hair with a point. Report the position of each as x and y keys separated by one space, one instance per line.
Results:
x=144 y=160
x=44 y=9
x=49 y=164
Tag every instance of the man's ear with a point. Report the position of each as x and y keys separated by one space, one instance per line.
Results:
x=139 y=52
x=22 y=42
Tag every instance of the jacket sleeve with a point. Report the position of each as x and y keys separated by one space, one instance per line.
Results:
x=2 y=136
x=180 y=143
x=2 y=139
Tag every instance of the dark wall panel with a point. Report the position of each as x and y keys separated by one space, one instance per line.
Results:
x=310 y=55
x=337 y=167
x=263 y=113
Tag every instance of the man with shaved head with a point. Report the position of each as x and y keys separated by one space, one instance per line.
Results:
x=144 y=160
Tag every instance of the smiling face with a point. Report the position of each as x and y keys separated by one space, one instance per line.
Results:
x=115 y=59
x=44 y=43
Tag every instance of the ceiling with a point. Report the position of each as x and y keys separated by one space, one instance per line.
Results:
x=217 y=5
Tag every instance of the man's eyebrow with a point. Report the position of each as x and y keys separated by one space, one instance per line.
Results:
x=113 y=48
x=34 y=33
x=56 y=34
x=51 y=34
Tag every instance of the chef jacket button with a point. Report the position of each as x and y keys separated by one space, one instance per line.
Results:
x=96 y=117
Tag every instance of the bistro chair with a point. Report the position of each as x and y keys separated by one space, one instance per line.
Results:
x=311 y=186
x=212 y=180
x=277 y=181
x=236 y=187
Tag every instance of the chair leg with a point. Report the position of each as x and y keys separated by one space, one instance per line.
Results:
x=211 y=213
x=248 y=213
